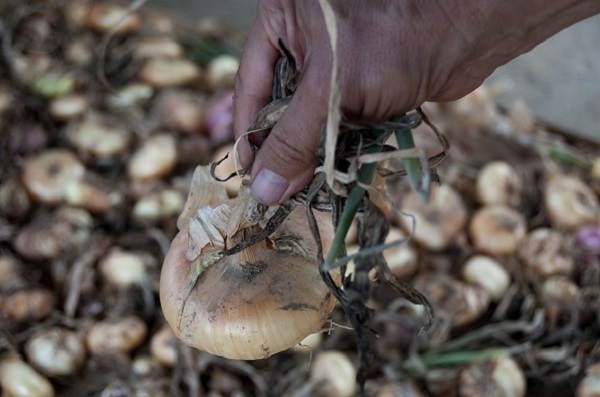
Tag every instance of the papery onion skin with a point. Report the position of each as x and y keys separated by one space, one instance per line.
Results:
x=250 y=311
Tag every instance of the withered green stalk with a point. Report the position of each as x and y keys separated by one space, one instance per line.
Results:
x=365 y=177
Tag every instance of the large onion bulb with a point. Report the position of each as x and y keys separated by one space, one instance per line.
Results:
x=250 y=305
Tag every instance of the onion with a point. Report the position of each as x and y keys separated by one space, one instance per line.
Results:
x=488 y=274
x=116 y=336
x=219 y=118
x=221 y=71
x=543 y=251
x=588 y=239
x=561 y=297
x=590 y=384
x=570 y=203
x=497 y=230
x=124 y=269
x=169 y=72
x=56 y=352
x=32 y=304
x=46 y=175
x=180 y=111
x=439 y=221
x=154 y=159
x=333 y=374
x=461 y=302
x=18 y=379
x=499 y=183
x=65 y=108
x=501 y=376
x=156 y=206
x=163 y=346
x=251 y=304
x=158 y=47
x=104 y=17
x=98 y=136
x=309 y=344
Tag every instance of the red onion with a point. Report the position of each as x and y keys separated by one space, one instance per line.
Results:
x=588 y=239
x=219 y=119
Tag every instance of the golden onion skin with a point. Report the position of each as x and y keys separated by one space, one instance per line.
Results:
x=252 y=304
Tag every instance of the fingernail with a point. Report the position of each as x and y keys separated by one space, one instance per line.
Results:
x=268 y=187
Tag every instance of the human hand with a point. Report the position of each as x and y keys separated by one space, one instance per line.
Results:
x=393 y=56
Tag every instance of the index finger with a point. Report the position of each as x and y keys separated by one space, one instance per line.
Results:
x=253 y=83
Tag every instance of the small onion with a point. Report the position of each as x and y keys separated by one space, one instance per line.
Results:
x=497 y=230
x=65 y=108
x=110 y=18
x=79 y=52
x=146 y=366
x=163 y=346
x=130 y=95
x=221 y=71
x=499 y=183
x=156 y=206
x=309 y=344
x=588 y=239
x=46 y=175
x=180 y=111
x=94 y=194
x=117 y=336
x=158 y=47
x=570 y=202
x=333 y=374
x=124 y=269
x=56 y=352
x=219 y=118
x=49 y=237
x=561 y=297
x=543 y=251
x=98 y=137
x=439 y=221
x=18 y=379
x=33 y=304
x=475 y=110
x=155 y=159
x=401 y=259
x=165 y=72
x=488 y=274
x=589 y=386
x=501 y=376
x=10 y=276
x=461 y=302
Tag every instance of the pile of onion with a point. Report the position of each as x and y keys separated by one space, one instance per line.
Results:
x=252 y=304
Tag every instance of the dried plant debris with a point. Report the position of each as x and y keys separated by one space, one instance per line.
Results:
x=100 y=147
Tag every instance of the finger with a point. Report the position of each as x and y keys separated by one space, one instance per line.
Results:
x=287 y=159
x=253 y=84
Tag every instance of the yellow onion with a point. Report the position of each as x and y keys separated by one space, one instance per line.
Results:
x=570 y=203
x=249 y=305
x=438 y=222
x=500 y=377
x=18 y=379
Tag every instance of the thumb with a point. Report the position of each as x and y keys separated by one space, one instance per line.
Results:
x=286 y=161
